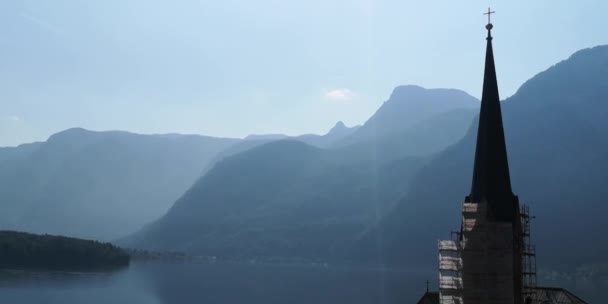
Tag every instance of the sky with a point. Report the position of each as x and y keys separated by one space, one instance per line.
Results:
x=232 y=68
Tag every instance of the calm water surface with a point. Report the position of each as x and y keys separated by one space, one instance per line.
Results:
x=198 y=282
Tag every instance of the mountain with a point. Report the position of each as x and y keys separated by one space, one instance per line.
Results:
x=340 y=130
x=105 y=185
x=337 y=132
x=289 y=198
x=268 y=137
x=409 y=107
x=12 y=154
x=414 y=121
x=99 y=184
x=284 y=198
x=556 y=131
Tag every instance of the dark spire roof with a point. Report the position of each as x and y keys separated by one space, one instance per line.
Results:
x=491 y=181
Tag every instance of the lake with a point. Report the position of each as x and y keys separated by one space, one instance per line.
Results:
x=201 y=282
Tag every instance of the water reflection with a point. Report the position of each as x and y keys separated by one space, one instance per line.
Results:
x=195 y=282
x=31 y=287
x=262 y=283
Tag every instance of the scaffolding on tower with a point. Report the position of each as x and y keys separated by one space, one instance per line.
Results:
x=450 y=266
x=528 y=254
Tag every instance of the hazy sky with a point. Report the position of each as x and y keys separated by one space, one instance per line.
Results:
x=231 y=68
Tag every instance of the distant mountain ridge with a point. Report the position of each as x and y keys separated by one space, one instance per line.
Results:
x=289 y=198
x=99 y=184
x=338 y=132
x=383 y=192
x=414 y=121
x=16 y=153
x=408 y=106
x=107 y=184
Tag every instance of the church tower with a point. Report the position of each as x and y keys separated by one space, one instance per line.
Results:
x=488 y=260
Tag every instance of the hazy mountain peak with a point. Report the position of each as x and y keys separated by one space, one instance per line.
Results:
x=77 y=133
x=412 y=93
x=337 y=132
x=340 y=129
x=73 y=138
x=69 y=132
x=414 y=103
x=406 y=90
x=407 y=107
x=338 y=125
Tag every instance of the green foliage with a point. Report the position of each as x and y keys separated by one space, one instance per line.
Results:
x=25 y=250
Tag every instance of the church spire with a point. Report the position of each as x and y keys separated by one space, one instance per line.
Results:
x=491 y=180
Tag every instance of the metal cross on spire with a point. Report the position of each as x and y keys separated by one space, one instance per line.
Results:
x=489 y=13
